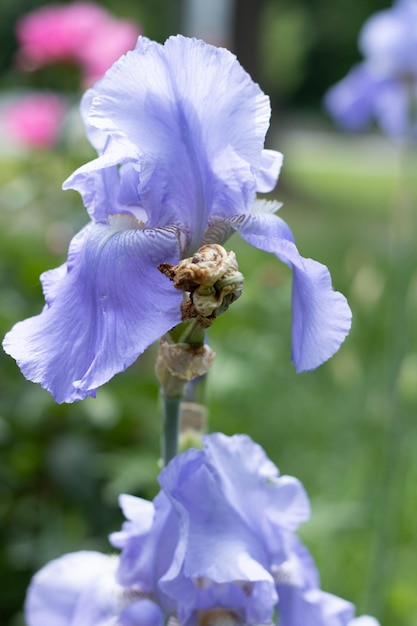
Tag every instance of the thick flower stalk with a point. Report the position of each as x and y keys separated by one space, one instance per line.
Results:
x=179 y=129
x=217 y=546
x=384 y=86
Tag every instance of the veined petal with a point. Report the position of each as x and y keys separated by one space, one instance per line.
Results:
x=321 y=317
x=108 y=306
x=196 y=122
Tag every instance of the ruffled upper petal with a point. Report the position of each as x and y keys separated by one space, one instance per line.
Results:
x=196 y=123
x=283 y=500
x=321 y=317
x=109 y=304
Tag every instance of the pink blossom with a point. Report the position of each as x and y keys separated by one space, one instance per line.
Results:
x=82 y=33
x=105 y=46
x=35 y=120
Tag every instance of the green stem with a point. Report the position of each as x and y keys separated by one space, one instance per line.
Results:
x=193 y=334
x=172 y=391
x=172 y=408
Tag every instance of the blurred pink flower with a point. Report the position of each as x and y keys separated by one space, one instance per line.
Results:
x=81 y=32
x=105 y=46
x=35 y=120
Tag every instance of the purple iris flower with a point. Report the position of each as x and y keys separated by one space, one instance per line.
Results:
x=384 y=86
x=179 y=129
x=217 y=545
x=221 y=522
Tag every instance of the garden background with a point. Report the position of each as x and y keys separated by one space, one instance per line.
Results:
x=348 y=430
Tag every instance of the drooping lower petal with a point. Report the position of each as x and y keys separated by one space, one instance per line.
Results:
x=107 y=306
x=321 y=317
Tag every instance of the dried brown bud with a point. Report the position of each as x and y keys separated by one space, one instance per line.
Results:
x=178 y=363
x=211 y=279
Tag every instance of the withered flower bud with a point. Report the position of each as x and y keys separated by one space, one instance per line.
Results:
x=211 y=280
x=178 y=363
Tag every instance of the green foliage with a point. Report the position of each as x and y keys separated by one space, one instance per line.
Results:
x=307 y=45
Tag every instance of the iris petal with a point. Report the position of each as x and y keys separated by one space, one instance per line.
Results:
x=197 y=136
x=98 y=183
x=321 y=317
x=271 y=163
x=108 y=306
x=351 y=101
x=55 y=593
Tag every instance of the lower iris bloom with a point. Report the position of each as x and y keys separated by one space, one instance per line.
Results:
x=179 y=129
x=217 y=546
x=384 y=86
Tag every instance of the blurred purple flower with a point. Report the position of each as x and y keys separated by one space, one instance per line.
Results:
x=216 y=546
x=180 y=131
x=384 y=86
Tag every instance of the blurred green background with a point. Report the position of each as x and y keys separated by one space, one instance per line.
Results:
x=348 y=430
